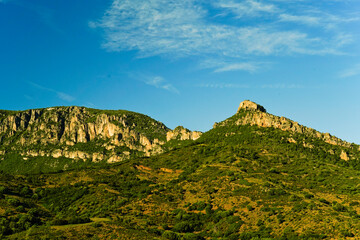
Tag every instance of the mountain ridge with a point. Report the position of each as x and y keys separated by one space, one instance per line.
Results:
x=117 y=134
x=80 y=133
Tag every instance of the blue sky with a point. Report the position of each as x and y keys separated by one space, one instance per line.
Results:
x=186 y=62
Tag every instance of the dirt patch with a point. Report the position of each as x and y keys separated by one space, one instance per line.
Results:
x=143 y=168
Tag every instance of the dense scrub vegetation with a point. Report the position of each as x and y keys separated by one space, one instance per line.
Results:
x=235 y=182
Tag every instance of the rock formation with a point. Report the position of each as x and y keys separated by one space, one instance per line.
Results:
x=181 y=133
x=250 y=113
x=249 y=105
x=83 y=133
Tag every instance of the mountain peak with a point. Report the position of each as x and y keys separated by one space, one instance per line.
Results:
x=249 y=105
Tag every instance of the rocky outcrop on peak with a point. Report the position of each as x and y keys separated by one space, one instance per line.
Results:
x=251 y=106
x=85 y=134
x=181 y=133
x=250 y=113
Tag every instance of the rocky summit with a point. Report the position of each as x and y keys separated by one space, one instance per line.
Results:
x=249 y=105
x=250 y=113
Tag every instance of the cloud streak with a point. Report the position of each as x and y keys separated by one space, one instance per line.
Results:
x=160 y=82
x=220 y=66
x=246 y=8
x=246 y=86
x=223 y=85
x=351 y=72
x=61 y=95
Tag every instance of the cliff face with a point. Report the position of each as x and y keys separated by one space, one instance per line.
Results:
x=250 y=113
x=181 y=133
x=81 y=133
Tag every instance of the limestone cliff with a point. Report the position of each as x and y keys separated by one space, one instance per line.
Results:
x=181 y=133
x=82 y=133
x=251 y=106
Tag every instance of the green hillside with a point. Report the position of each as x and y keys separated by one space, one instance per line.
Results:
x=236 y=181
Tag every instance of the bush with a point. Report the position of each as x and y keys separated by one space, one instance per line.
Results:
x=79 y=220
x=26 y=192
x=13 y=201
x=324 y=201
x=170 y=235
x=183 y=227
x=4 y=190
x=59 y=222
x=308 y=196
x=20 y=208
x=340 y=208
x=277 y=192
x=191 y=236
x=249 y=208
x=197 y=206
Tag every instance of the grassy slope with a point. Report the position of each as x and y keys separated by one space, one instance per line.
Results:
x=235 y=182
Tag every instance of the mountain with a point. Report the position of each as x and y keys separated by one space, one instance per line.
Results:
x=77 y=133
x=253 y=176
x=250 y=113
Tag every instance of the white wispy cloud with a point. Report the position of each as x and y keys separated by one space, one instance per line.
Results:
x=226 y=66
x=282 y=86
x=182 y=28
x=350 y=72
x=160 y=82
x=246 y=8
x=223 y=85
x=61 y=95
x=264 y=86
x=64 y=96
x=309 y=20
x=237 y=66
x=317 y=19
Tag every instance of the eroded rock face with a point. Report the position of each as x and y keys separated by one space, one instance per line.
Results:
x=344 y=156
x=251 y=106
x=87 y=134
x=181 y=133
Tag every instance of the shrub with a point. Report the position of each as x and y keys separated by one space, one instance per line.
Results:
x=340 y=208
x=191 y=236
x=249 y=207
x=13 y=201
x=78 y=220
x=308 y=196
x=324 y=201
x=170 y=235
x=183 y=227
x=4 y=190
x=58 y=222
